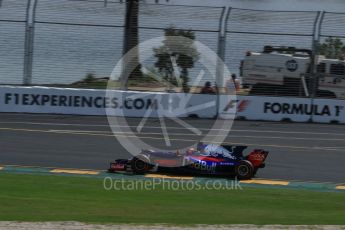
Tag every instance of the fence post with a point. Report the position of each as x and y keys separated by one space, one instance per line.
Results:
x=317 y=50
x=314 y=82
x=26 y=45
x=29 y=41
x=221 y=53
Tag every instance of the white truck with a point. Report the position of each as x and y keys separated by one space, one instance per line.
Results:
x=286 y=72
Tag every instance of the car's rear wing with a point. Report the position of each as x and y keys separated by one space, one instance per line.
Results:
x=257 y=157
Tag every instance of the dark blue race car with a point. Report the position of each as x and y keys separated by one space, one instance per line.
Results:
x=206 y=159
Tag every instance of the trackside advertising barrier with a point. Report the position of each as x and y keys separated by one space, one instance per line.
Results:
x=295 y=109
x=103 y=102
x=139 y=104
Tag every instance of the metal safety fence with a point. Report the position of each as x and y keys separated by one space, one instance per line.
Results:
x=275 y=53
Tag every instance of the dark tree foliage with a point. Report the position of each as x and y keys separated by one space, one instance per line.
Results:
x=183 y=52
x=332 y=48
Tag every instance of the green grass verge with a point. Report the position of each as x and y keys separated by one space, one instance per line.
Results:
x=62 y=198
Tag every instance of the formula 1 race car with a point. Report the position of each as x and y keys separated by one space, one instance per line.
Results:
x=206 y=159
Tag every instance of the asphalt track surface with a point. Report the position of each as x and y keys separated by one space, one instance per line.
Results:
x=303 y=151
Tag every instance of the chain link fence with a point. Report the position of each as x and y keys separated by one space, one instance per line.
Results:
x=13 y=18
x=332 y=75
x=202 y=22
x=45 y=42
x=249 y=31
x=74 y=38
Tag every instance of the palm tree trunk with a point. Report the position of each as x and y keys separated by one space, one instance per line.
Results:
x=131 y=38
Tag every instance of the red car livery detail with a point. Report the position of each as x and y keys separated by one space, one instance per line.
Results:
x=257 y=157
x=214 y=159
x=118 y=167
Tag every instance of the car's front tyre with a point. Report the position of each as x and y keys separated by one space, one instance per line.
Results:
x=139 y=166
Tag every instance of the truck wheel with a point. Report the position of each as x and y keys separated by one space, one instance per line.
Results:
x=263 y=89
x=326 y=94
x=245 y=170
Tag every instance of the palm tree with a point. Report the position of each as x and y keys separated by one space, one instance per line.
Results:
x=131 y=36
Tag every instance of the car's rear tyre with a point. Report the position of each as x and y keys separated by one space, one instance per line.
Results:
x=140 y=166
x=245 y=170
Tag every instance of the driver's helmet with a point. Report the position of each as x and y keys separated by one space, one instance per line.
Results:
x=201 y=147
